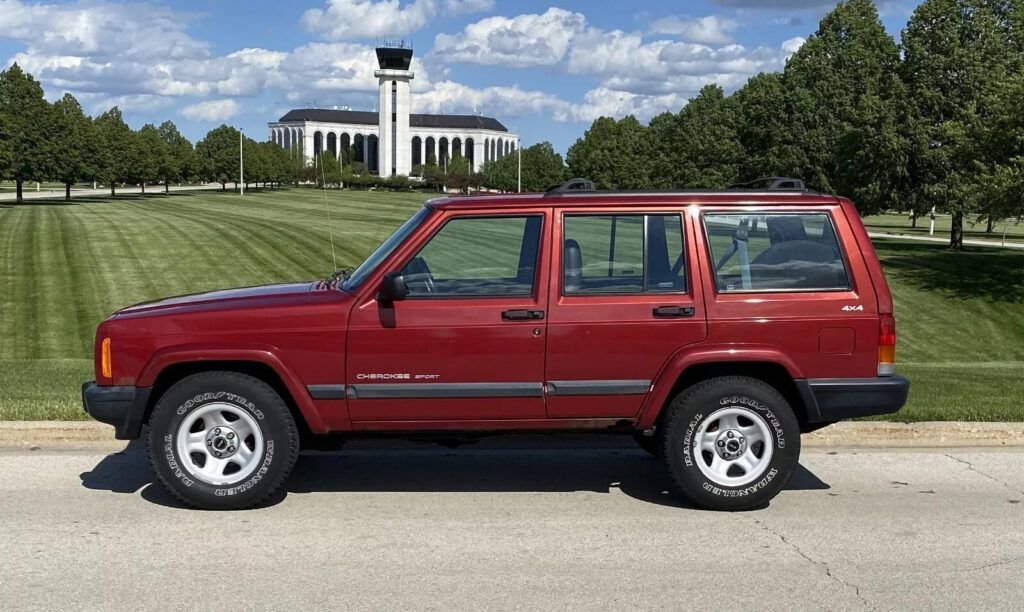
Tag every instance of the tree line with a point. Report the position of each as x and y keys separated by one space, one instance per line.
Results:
x=935 y=122
x=59 y=142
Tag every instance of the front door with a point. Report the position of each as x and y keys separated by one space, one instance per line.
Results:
x=468 y=342
x=623 y=301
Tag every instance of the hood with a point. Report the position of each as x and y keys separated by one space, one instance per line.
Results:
x=223 y=299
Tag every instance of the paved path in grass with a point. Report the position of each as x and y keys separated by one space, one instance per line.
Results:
x=970 y=242
x=499 y=527
x=58 y=194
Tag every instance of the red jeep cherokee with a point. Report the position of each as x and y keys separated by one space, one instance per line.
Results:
x=714 y=327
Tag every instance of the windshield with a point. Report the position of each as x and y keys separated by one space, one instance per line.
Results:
x=381 y=253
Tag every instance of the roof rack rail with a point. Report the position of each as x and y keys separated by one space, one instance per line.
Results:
x=571 y=185
x=772 y=183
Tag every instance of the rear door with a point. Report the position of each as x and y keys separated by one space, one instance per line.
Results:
x=622 y=301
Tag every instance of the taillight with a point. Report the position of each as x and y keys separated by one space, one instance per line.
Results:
x=105 y=358
x=886 y=345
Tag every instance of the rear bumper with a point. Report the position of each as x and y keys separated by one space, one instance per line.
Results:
x=122 y=407
x=835 y=399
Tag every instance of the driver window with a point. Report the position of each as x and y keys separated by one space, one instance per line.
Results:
x=477 y=257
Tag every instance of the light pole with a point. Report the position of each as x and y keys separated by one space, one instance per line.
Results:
x=519 y=162
x=241 y=164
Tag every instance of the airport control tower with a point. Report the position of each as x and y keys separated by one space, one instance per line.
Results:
x=393 y=77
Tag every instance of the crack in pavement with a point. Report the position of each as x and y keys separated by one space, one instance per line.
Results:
x=822 y=564
x=994 y=564
x=971 y=467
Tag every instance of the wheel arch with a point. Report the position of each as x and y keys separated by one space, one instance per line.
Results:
x=777 y=371
x=167 y=369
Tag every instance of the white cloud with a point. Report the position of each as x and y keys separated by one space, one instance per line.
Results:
x=107 y=30
x=710 y=30
x=348 y=19
x=524 y=40
x=791 y=46
x=624 y=62
x=211 y=110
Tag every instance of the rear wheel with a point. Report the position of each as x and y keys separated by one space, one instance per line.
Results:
x=222 y=440
x=730 y=443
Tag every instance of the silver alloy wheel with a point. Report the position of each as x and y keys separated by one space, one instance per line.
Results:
x=733 y=446
x=219 y=444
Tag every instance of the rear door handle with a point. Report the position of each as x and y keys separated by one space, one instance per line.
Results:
x=522 y=315
x=674 y=311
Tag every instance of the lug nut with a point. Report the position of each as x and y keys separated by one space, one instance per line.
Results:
x=231 y=436
x=216 y=431
x=209 y=442
x=721 y=442
x=729 y=434
x=231 y=449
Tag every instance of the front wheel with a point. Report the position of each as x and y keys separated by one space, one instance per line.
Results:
x=222 y=440
x=730 y=443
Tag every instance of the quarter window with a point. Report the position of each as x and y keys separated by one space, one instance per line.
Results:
x=477 y=256
x=622 y=254
x=780 y=252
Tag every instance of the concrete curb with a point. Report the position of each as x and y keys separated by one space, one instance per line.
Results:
x=860 y=434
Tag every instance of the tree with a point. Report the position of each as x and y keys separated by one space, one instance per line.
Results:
x=835 y=81
x=27 y=124
x=699 y=147
x=458 y=173
x=330 y=170
x=114 y=138
x=613 y=154
x=956 y=57
x=178 y=160
x=218 y=155
x=542 y=168
x=74 y=144
x=765 y=130
x=148 y=151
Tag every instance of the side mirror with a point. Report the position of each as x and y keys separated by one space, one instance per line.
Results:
x=392 y=288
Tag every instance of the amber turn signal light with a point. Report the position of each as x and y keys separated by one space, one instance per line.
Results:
x=105 y=358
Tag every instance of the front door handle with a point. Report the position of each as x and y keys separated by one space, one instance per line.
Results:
x=522 y=315
x=674 y=311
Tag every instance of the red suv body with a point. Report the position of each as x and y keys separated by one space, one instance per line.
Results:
x=651 y=314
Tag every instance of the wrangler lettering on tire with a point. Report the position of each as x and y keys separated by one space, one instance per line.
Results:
x=730 y=443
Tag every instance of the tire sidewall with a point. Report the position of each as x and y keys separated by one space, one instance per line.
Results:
x=191 y=394
x=693 y=410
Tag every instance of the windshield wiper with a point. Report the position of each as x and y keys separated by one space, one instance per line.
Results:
x=338 y=276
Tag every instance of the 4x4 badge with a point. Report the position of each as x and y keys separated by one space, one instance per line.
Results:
x=849 y=308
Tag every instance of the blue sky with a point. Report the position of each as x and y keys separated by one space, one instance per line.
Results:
x=546 y=69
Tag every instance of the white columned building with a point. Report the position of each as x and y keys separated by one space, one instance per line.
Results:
x=393 y=139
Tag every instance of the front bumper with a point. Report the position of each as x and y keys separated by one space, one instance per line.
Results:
x=122 y=407
x=835 y=399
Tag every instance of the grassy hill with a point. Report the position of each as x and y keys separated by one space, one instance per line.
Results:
x=65 y=267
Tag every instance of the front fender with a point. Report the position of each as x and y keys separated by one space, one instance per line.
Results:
x=679 y=362
x=263 y=354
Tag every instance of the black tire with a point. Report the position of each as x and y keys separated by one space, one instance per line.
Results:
x=651 y=444
x=682 y=425
x=244 y=395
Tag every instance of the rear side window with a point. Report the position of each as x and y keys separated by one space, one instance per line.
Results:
x=477 y=257
x=622 y=254
x=775 y=252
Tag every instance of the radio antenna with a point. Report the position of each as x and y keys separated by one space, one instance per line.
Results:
x=327 y=209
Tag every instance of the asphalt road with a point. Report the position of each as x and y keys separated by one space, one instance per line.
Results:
x=496 y=526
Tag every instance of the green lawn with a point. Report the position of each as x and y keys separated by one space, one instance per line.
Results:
x=65 y=267
x=897 y=223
